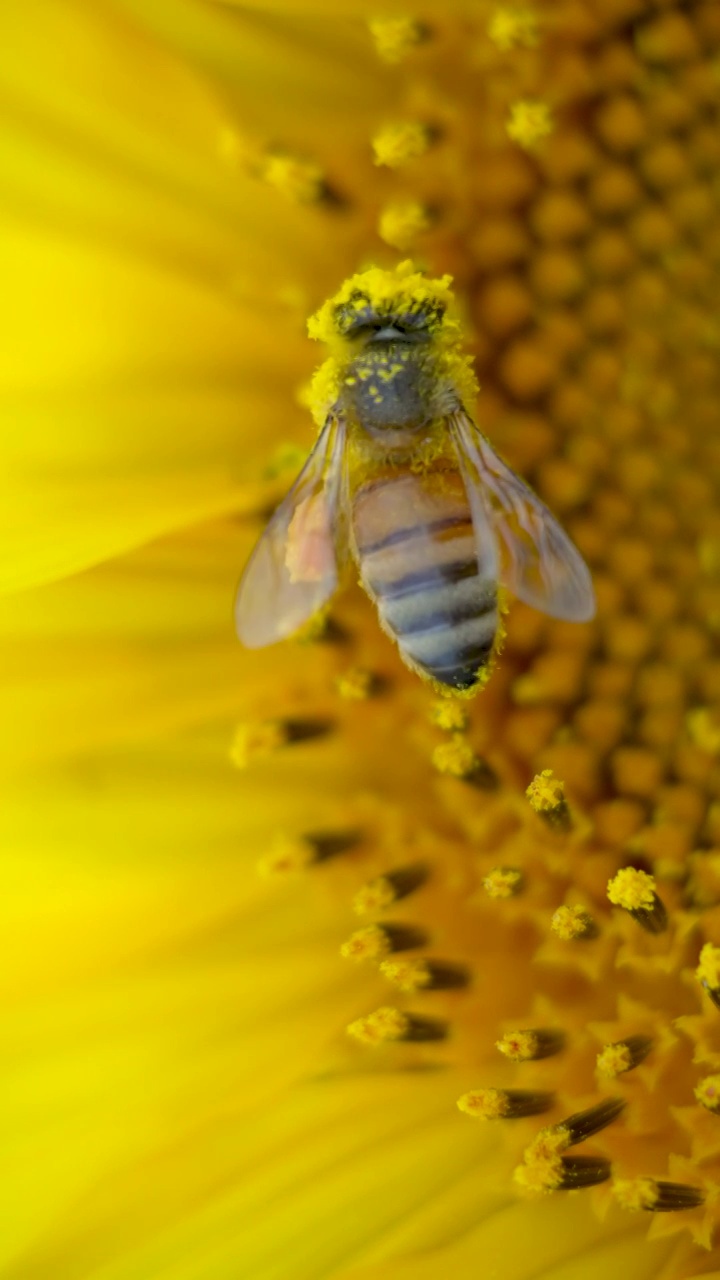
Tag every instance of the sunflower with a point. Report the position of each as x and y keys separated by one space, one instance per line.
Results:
x=311 y=975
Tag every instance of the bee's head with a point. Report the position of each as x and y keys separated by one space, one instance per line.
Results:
x=396 y=320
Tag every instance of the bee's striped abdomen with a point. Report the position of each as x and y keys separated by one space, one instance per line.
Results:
x=419 y=561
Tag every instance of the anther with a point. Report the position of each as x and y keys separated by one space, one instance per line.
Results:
x=456 y=759
x=389 y=1024
x=422 y=974
x=402 y=221
x=656 y=1196
x=634 y=891
x=573 y=924
x=503 y=882
x=530 y=121
x=527 y=1046
x=546 y=794
x=377 y=941
x=504 y=1104
x=513 y=28
x=296 y=853
x=449 y=714
x=397 y=144
x=564 y=1173
x=357 y=684
x=383 y=891
x=708 y=1093
x=395 y=38
x=623 y=1055
x=708 y=971
x=583 y=1124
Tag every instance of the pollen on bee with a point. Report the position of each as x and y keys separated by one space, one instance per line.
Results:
x=503 y=882
x=397 y=144
x=530 y=121
x=634 y=891
x=504 y=1104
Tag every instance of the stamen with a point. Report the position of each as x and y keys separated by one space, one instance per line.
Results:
x=546 y=794
x=584 y=1124
x=449 y=714
x=457 y=759
x=397 y=144
x=656 y=1196
x=383 y=891
x=513 y=28
x=395 y=38
x=402 y=222
x=296 y=853
x=503 y=882
x=708 y=1093
x=573 y=924
x=615 y=1059
x=504 y=1104
x=527 y=1046
x=256 y=741
x=565 y=1173
x=301 y=181
x=357 y=684
x=634 y=891
x=380 y=940
x=430 y=975
x=390 y=1024
x=529 y=122
x=708 y=971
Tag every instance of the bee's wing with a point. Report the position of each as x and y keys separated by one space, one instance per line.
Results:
x=293 y=570
x=539 y=563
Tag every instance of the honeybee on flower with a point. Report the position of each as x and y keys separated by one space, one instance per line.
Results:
x=402 y=481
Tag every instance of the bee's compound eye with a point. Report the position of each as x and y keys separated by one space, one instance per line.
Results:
x=423 y=317
x=355 y=314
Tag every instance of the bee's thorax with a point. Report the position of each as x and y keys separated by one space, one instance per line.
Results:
x=391 y=384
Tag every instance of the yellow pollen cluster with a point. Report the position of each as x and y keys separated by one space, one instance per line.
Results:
x=632 y=889
x=455 y=758
x=513 y=28
x=707 y=1093
x=708 y=970
x=484 y=1104
x=385 y=1024
x=613 y=1060
x=355 y=685
x=396 y=37
x=450 y=715
x=371 y=943
x=635 y=1193
x=254 y=741
x=570 y=923
x=397 y=144
x=529 y=122
x=287 y=855
x=503 y=882
x=406 y=975
x=546 y=792
x=374 y=896
x=402 y=221
x=519 y=1046
x=301 y=181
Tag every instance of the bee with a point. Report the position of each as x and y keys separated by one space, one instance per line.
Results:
x=402 y=481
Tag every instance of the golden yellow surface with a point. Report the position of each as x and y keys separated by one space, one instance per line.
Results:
x=190 y=831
